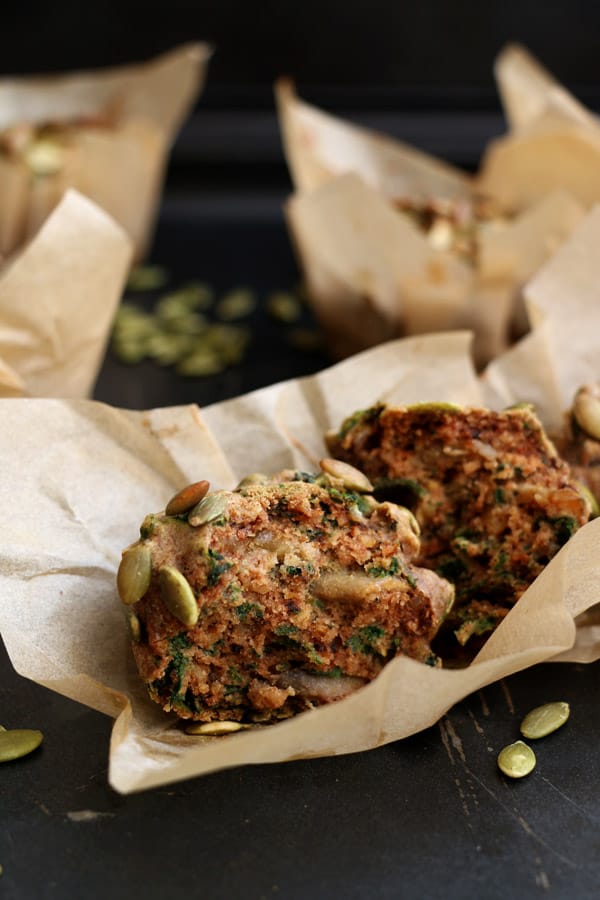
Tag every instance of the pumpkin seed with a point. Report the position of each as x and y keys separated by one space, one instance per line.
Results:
x=591 y=499
x=202 y=362
x=147 y=278
x=212 y=507
x=129 y=352
x=352 y=478
x=18 y=742
x=187 y=498
x=44 y=157
x=135 y=573
x=236 y=304
x=186 y=324
x=434 y=407
x=166 y=349
x=284 y=306
x=214 y=728
x=178 y=596
x=516 y=760
x=543 y=720
x=255 y=478
x=586 y=410
x=135 y=629
x=2 y=728
x=521 y=405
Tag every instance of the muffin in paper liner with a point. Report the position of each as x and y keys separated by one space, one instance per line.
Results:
x=553 y=141
x=58 y=299
x=394 y=242
x=106 y=133
x=77 y=499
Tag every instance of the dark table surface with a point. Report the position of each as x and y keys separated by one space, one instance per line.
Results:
x=430 y=816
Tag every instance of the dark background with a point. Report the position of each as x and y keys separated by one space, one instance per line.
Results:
x=401 y=67
x=439 y=49
x=426 y=817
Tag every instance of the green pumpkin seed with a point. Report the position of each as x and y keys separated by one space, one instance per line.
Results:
x=284 y=306
x=236 y=304
x=202 y=362
x=44 y=157
x=130 y=351
x=255 y=478
x=586 y=411
x=135 y=573
x=351 y=478
x=178 y=595
x=434 y=407
x=516 y=760
x=212 y=507
x=186 y=324
x=587 y=495
x=543 y=720
x=147 y=278
x=135 y=629
x=187 y=498
x=521 y=405
x=214 y=728
x=2 y=728
x=167 y=348
x=229 y=341
x=18 y=742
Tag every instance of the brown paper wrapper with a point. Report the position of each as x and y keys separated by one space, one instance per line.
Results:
x=121 y=166
x=57 y=302
x=553 y=142
x=371 y=272
x=75 y=505
x=373 y=275
x=319 y=146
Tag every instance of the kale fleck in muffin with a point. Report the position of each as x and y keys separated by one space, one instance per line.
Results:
x=494 y=500
x=255 y=604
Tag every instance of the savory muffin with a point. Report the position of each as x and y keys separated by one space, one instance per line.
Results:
x=579 y=442
x=286 y=593
x=494 y=500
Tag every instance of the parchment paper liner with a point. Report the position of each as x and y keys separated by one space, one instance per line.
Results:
x=121 y=168
x=78 y=477
x=371 y=272
x=58 y=299
x=553 y=141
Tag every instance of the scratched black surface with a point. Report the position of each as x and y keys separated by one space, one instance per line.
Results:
x=426 y=817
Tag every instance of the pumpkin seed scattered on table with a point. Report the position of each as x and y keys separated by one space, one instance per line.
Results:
x=201 y=362
x=236 y=304
x=193 y=296
x=516 y=760
x=147 y=278
x=284 y=306
x=177 y=333
x=18 y=742
x=543 y=720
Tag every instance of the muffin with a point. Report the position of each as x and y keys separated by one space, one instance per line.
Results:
x=284 y=594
